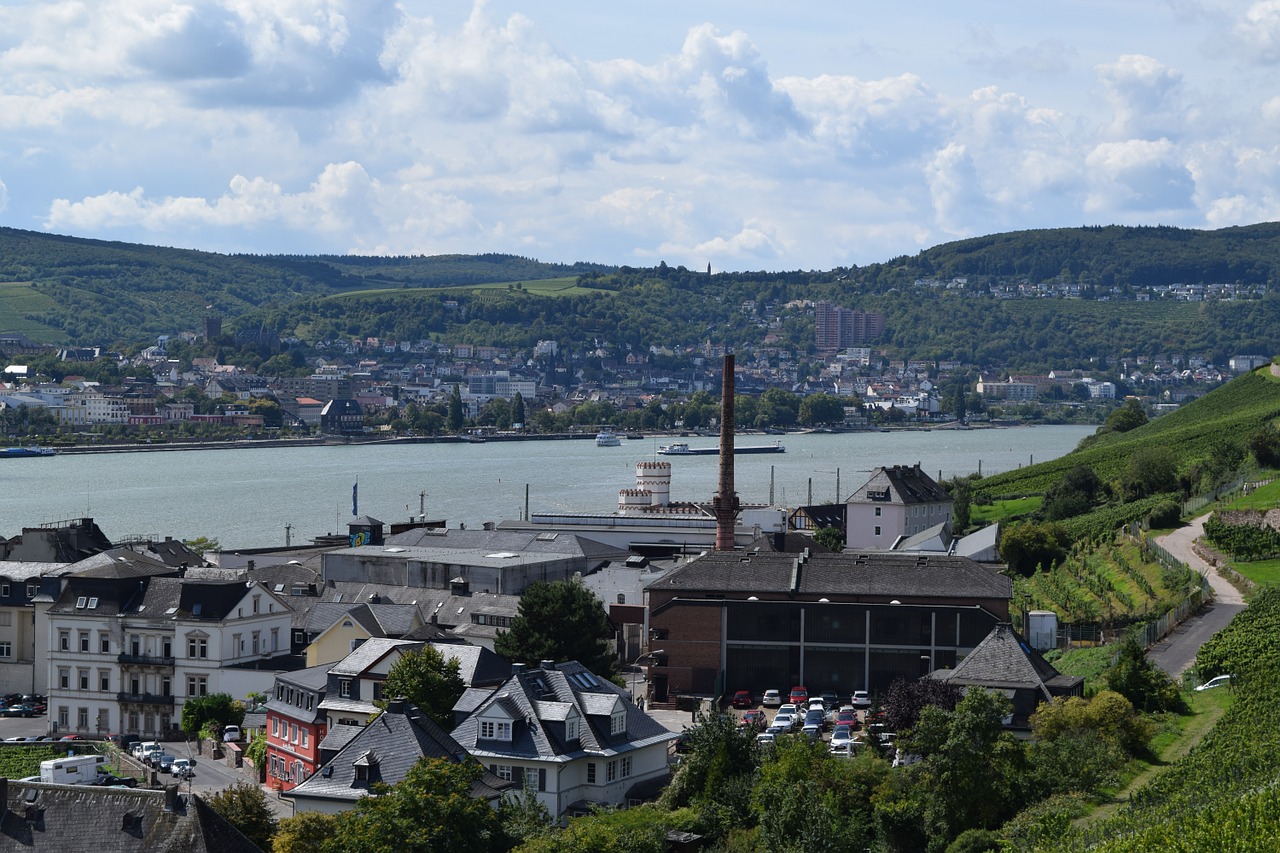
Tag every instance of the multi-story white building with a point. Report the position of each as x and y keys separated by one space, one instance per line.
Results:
x=897 y=501
x=130 y=642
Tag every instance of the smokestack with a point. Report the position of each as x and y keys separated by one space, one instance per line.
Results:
x=726 y=500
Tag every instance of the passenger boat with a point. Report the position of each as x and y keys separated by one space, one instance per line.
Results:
x=607 y=438
x=23 y=452
x=682 y=448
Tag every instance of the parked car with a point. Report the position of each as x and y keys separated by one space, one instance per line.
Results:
x=1215 y=682
x=787 y=721
x=830 y=698
x=846 y=718
x=789 y=708
x=815 y=718
x=110 y=779
x=765 y=738
x=17 y=711
x=183 y=767
x=841 y=735
x=771 y=699
x=231 y=733
x=163 y=761
x=799 y=695
x=741 y=699
x=753 y=719
x=861 y=699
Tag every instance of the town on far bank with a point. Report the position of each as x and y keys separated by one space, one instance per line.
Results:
x=208 y=385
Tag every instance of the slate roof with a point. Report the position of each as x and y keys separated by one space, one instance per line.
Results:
x=477 y=665
x=114 y=820
x=880 y=574
x=388 y=748
x=906 y=484
x=535 y=700
x=379 y=620
x=1003 y=661
x=120 y=563
x=368 y=653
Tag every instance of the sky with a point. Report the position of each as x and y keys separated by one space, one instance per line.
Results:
x=740 y=134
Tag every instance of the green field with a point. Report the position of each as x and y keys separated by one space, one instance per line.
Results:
x=566 y=286
x=1261 y=498
x=1003 y=510
x=18 y=299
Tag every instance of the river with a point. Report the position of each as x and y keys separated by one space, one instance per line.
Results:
x=246 y=498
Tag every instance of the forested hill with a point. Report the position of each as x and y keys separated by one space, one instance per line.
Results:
x=70 y=290
x=1115 y=255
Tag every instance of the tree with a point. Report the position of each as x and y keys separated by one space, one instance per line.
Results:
x=1151 y=470
x=1140 y=681
x=559 y=621
x=216 y=709
x=455 y=409
x=1126 y=417
x=831 y=538
x=1029 y=545
x=201 y=544
x=305 y=832
x=906 y=699
x=517 y=410
x=426 y=679
x=819 y=409
x=430 y=811
x=717 y=773
x=1073 y=495
x=246 y=808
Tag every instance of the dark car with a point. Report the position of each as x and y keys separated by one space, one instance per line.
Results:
x=17 y=711
x=754 y=720
x=108 y=779
x=815 y=718
x=743 y=699
x=684 y=743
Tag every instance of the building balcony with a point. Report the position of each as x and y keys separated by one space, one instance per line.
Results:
x=146 y=660
x=144 y=699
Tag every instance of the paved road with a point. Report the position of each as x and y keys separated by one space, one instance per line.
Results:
x=1176 y=652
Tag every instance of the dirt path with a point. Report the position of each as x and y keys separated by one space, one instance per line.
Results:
x=1179 y=542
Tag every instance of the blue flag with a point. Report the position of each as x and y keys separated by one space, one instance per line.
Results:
x=355 y=498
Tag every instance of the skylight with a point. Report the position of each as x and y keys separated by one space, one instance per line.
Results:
x=80 y=602
x=93 y=602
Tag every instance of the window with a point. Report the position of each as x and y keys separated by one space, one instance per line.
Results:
x=197 y=647
x=531 y=777
x=64 y=716
x=82 y=718
x=877 y=530
x=275 y=727
x=104 y=642
x=84 y=641
x=344 y=688
x=377 y=690
x=571 y=728
x=64 y=678
x=257 y=600
x=104 y=680
x=197 y=685
x=275 y=639
x=591 y=773
x=237 y=644
x=168 y=647
x=64 y=641
x=503 y=771
x=310 y=699
x=611 y=771
x=6 y=618
x=31 y=590
x=495 y=729
x=877 y=512
x=4 y=590
x=618 y=722
x=166 y=686
x=304 y=738
x=83 y=678
x=624 y=766
x=133 y=721
x=254 y=649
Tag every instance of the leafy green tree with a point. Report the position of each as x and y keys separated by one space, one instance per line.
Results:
x=1140 y=681
x=215 y=710
x=1151 y=470
x=524 y=817
x=1075 y=494
x=559 y=621
x=517 y=409
x=430 y=811
x=1029 y=545
x=428 y=680
x=907 y=698
x=201 y=544
x=818 y=409
x=717 y=774
x=1128 y=416
x=638 y=830
x=806 y=800
x=306 y=832
x=972 y=769
x=455 y=409
x=245 y=807
x=831 y=538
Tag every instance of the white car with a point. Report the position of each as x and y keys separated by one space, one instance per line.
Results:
x=789 y=709
x=231 y=733
x=182 y=767
x=1220 y=681
x=771 y=699
x=861 y=699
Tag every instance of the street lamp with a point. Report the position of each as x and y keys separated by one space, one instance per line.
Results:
x=644 y=676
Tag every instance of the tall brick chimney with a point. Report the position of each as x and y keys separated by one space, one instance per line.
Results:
x=726 y=500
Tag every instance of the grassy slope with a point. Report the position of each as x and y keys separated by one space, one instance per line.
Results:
x=1232 y=411
x=17 y=300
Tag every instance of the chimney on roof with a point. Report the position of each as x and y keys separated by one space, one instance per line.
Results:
x=548 y=664
x=171 y=798
x=250 y=565
x=517 y=668
x=375 y=599
x=396 y=705
x=726 y=499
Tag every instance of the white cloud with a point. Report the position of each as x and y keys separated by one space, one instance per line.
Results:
x=4 y=196
x=1145 y=96
x=1258 y=31
x=1137 y=176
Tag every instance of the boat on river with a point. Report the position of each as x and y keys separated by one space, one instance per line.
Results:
x=682 y=448
x=24 y=452
x=607 y=438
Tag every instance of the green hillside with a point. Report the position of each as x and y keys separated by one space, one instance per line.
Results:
x=1193 y=433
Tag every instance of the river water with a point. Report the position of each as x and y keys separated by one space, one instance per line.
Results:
x=244 y=498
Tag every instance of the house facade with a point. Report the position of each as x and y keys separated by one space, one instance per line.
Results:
x=130 y=642
x=573 y=738
x=897 y=501
x=296 y=725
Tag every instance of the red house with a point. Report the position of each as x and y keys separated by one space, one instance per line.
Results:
x=295 y=726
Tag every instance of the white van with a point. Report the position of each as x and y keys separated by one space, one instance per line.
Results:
x=142 y=750
x=72 y=770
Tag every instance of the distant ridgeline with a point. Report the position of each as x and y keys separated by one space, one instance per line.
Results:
x=967 y=299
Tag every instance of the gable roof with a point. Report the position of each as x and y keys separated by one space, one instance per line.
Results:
x=539 y=700
x=900 y=484
x=368 y=653
x=114 y=820
x=1004 y=661
x=387 y=749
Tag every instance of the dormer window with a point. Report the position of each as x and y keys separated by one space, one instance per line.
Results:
x=495 y=730
x=618 y=722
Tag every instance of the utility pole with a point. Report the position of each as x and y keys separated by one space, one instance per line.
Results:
x=288 y=529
